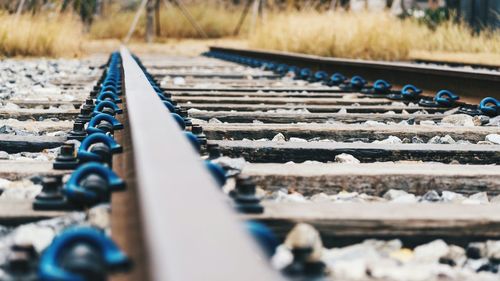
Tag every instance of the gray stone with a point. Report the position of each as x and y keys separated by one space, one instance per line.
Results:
x=346 y=158
x=435 y=140
x=416 y=139
x=431 y=196
x=458 y=120
x=476 y=250
x=494 y=138
x=6 y=129
x=480 y=120
x=494 y=121
x=447 y=140
x=24 y=133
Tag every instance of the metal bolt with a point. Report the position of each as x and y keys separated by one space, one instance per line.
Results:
x=213 y=151
x=198 y=131
x=244 y=196
x=51 y=189
x=78 y=132
x=183 y=112
x=66 y=159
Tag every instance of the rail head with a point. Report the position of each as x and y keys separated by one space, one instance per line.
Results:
x=190 y=231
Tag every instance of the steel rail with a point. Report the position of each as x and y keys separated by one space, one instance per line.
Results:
x=190 y=231
x=470 y=83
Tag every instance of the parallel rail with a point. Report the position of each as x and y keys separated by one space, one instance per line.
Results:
x=468 y=83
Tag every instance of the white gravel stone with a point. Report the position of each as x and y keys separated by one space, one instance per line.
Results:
x=452 y=197
x=493 y=249
x=390 y=140
x=495 y=199
x=346 y=158
x=392 y=194
x=406 y=199
x=293 y=139
x=39 y=236
x=4 y=155
x=374 y=123
x=100 y=216
x=494 y=138
x=494 y=121
x=279 y=138
x=214 y=121
x=179 y=81
x=447 y=140
x=477 y=198
x=458 y=120
x=431 y=252
x=320 y=197
x=342 y=111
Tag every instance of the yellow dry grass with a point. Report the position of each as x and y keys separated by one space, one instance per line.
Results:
x=216 y=20
x=40 y=35
x=365 y=35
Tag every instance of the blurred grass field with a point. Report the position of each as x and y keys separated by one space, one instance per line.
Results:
x=367 y=36
x=378 y=36
x=49 y=35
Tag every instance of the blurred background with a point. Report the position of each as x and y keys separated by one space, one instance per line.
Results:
x=457 y=30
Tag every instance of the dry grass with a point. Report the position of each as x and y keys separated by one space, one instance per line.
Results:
x=365 y=35
x=40 y=35
x=216 y=20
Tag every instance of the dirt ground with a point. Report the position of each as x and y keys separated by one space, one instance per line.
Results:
x=184 y=47
x=194 y=47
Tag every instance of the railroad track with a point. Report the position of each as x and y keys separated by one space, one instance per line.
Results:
x=356 y=182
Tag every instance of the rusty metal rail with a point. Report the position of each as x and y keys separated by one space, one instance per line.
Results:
x=190 y=231
x=469 y=83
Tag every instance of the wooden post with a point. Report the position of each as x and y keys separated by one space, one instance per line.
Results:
x=19 y=9
x=333 y=5
x=134 y=21
x=157 y=18
x=242 y=18
x=190 y=18
x=150 y=7
x=255 y=14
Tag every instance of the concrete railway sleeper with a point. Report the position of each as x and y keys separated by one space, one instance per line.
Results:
x=199 y=169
